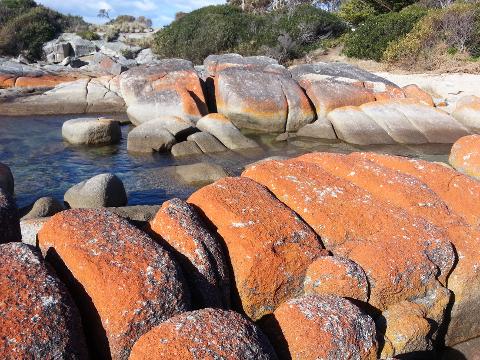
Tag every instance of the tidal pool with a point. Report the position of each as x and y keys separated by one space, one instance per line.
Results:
x=44 y=165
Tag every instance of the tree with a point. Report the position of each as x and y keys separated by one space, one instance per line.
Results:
x=103 y=13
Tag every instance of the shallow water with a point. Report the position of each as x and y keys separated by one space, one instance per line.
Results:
x=44 y=165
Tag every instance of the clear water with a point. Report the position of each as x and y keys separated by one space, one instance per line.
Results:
x=44 y=165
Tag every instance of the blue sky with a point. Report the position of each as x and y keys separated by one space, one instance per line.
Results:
x=161 y=12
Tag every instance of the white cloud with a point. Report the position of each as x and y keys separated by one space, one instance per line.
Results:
x=161 y=12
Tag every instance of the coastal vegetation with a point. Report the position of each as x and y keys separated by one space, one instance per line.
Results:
x=398 y=32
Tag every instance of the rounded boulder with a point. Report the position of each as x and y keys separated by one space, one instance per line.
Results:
x=322 y=327
x=91 y=131
x=123 y=282
x=39 y=319
x=104 y=190
x=204 y=334
x=465 y=155
x=6 y=179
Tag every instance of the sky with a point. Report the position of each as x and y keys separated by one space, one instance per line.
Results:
x=162 y=12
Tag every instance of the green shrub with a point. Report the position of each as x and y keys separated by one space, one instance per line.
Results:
x=28 y=32
x=225 y=28
x=371 y=39
x=455 y=28
x=209 y=30
x=12 y=8
x=89 y=35
x=356 y=12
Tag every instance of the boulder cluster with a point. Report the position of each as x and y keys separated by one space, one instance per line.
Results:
x=358 y=256
x=191 y=110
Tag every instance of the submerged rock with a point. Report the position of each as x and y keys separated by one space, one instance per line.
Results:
x=124 y=282
x=203 y=334
x=200 y=173
x=38 y=316
x=104 y=190
x=186 y=148
x=207 y=142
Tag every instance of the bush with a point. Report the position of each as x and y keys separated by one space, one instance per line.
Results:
x=225 y=28
x=356 y=12
x=28 y=32
x=13 y=8
x=455 y=28
x=89 y=35
x=111 y=34
x=371 y=39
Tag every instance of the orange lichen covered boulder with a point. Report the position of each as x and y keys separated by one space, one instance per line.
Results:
x=461 y=194
x=328 y=95
x=465 y=155
x=334 y=275
x=170 y=87
x=38 y=318
x=262 y=101
x=197 y=250
x=204 y=334
x=367 y=230
x=269 y=246
x=9 y=218
x=124 y=282
x=414 y=92
x=321 y=327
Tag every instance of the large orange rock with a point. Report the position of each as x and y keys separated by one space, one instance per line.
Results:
x=216 y=63
x=9 y=218
x=123 y=281
x=204 y=334
x=197 y=250
x=171 y=87
x=269 y=246
x=262 y=101
x=371 y=232
x=328 y=95
x=334 y=275
x=322 y=327
x=414 y=92
x=38 y=318
x=465 y=155
x=461 y=195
